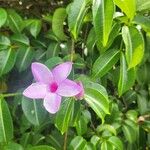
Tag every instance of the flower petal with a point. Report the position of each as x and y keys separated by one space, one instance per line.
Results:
x=62 y=71
x=35 y=91
x=52 y=102
x=41 y=73
x=81 y=94
x=68 y=88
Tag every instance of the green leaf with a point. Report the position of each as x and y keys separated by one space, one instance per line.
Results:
x=130 y=131
x=103 y=11
x=132 y=115
x=7 y=60
x=78 y=143
x=63 y=117
x=106 y=127
x=143 y=5
x=126 y=78
x=127 y=6
x=116 y=142
x=57 y=23
x=24 y=58
x=13 y=146
x=134 y=44
x=53 y=49
x=3 y=17
x=34 y=110
x=76 y=15
x=6 y=125
x=142 y=104
x=52 y=62
x=15 y=21
x=106 y=146
x=21 y=39
x=143 y=21
x=42 y=147
x=34 y=26
x=97 y=98
x=4 y=42
x=81 y=126
x=105 y=62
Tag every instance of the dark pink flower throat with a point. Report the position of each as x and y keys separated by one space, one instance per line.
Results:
x=53 y=87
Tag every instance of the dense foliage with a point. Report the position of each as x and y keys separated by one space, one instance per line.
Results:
x=109 y=43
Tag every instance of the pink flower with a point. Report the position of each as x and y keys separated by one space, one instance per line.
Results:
x=52 y=85
x=80 y=95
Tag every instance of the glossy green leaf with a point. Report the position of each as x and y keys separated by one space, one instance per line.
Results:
x=127 y=6
x=106 y=127
x=21 y=39
x=81 y=126
x=13 y=146
x=103 y=11
x=34 y=26
x=3 y=17
x=106 y=146
x=97 y=98
x=57 y=23
x=76 y=15
x=6 y=124
x=143 y=5
x=7 y=60
x=15 y=21
x=24 y=58
x=134 y=44
x=34 y=110
x=105 y=62
x=132 y=115
x=41 y=147
x=77 y=143
x=127 y=77
x=52 y=62
x=130 y=131
x=4 y=42
x=116 y=142
x=53 y=50
x=63 y=117
x=142 y=104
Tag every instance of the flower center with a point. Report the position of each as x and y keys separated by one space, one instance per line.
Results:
x=53 y=87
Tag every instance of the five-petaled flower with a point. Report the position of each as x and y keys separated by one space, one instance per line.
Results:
x=52 y=85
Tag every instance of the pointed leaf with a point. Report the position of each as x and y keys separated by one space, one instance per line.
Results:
x=24 y=58
x=103 y=11
x=105 y=62
x=134 y=44
x=6 y=125
x=4 y=42
x=116 y=142
x=21 y=39
x=34 y=110
x=127 y=6
x=63 y=117
x=7 y=60
x=76 y=15
x=3 y=17
x=77 y=143
x=126 y=78
x=57 y=23
x=15 y=21
x=97 y=98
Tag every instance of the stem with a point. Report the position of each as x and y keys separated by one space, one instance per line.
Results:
x=10 y=94
x=72 y=50
x=65 y=141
